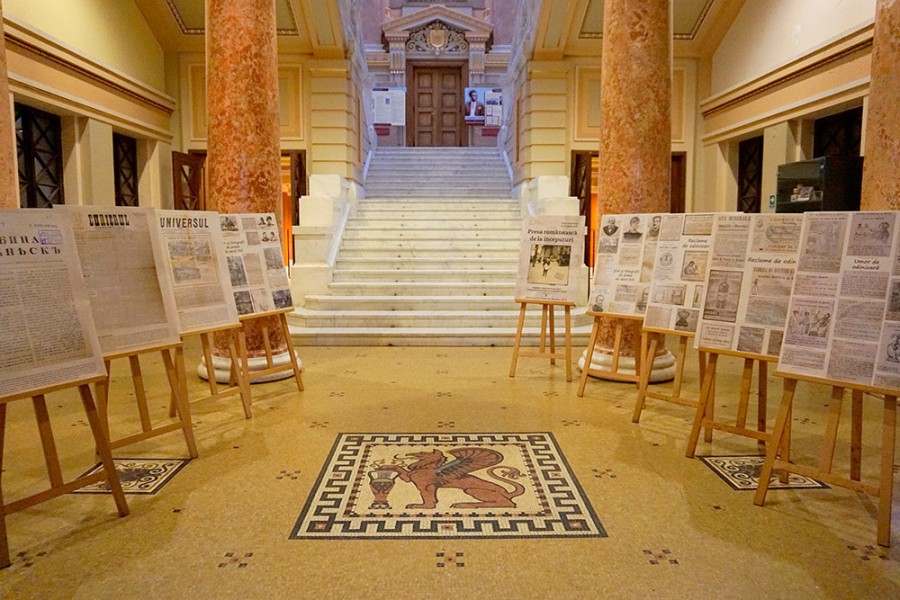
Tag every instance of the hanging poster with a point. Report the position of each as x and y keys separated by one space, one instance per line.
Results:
x=844 y=315
x=131 y=297
x=550 y=258
x=626 y=250
x=679 y=272
x=49 y=337
x=493 y=108
x=474 y=105
x=746 y=290
x=389 y=106
x=255 y=265
x=196 y=265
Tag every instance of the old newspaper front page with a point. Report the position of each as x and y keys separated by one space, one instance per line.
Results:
x=256 y=268
x=124 y=269
x=747 y=288
x=48 y=338
x=550 y=258
x=681 y=262
x=844 y=314
x=626 y=248
x=197 y=268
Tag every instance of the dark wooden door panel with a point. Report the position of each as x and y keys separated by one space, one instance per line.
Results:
x=437 y=113
x=187 y=170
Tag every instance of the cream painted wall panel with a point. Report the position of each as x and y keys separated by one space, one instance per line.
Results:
x=87 y=26
x=542 y=136
x=769 y=33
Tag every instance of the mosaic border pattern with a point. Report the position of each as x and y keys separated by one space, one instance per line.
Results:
x=145 y=476
x=742 y=473
x=331 y=511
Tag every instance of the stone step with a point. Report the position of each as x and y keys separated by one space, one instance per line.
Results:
x=434 y=243
x=431 y=254
x=427 y=263
x=423 y=303
x=438 y=336
x=356 y=233
x=424 y=221
x=457 y=289
x=459 y=276
x=453 y=319
x=412 y=193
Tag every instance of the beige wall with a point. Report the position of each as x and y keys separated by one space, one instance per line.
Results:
x=768 y=33
x=111 y=32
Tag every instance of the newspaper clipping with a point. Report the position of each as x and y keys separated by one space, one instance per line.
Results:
x=255 y=265
x=626 y=252
x=550 y=258
x=195 y=255
x=131 y=297
x=49 y=338
x=844 y=314
x=746 y=291
x=682 y=259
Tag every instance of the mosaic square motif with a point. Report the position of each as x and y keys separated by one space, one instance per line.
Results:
x=742 y=473
x=446 y=485
x=138 y=475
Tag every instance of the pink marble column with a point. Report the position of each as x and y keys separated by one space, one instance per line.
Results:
x=243 y=161
x=9 y=171
x=881 y=178
x=635 y=121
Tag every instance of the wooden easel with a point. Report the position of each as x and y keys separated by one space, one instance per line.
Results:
x=271 y=367
x=237 y=383
x=58 y=486
x=177 y=383
x=781 y=436
x=547 y=308
x=704 y=415
x=673 y=397
x=613 y=372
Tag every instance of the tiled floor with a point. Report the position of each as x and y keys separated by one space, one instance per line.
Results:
x=221 y=527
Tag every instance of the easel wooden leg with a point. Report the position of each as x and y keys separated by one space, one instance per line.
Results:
x=703 y=360
x=139 y=393
x=617 y=346
x=744 y=398
x=51 y=458
x=290 y=347
x=762 y=399
x=644 y=382
x=102 y=443
x=237 y=374
x=588 y=357
x=210 y=369
x=856 y=435
x=568 y=312
x=102 y=388
x=542 y=343
x=178 y=382
x=518 y=341
x=886 y=487
x=679 y=365
x=552 y=311
x=4 y=543
x=702 y=404
x=777 y=441
x=826 y=455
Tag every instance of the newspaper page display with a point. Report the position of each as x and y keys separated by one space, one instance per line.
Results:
x=747 y=288
x=389 y=106
x=195 y=256
x=255 y=265
x=679 y=271
x=131 y=297
x=844 y=315
x=626 y=250
x=49 y=337
x=550 y=258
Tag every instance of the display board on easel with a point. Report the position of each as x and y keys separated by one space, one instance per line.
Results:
x=133 y=303
x=550 y=259
x=49 y=343
x=843 y=331
x=681 y=263
x=745 y=300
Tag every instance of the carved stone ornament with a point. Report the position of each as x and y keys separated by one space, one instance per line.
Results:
x=437 y=38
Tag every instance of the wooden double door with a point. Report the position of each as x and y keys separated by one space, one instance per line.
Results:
x=435 y=97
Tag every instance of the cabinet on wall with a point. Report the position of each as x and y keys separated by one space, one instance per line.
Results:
x=826 y=183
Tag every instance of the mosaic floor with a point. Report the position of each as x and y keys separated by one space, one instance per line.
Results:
x=536 y=493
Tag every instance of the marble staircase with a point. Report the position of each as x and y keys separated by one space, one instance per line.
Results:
x=419 y=266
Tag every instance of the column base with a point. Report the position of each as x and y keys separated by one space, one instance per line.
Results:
x=222 y=368
x=663 y=365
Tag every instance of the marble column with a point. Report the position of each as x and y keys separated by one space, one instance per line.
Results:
x=9 y=170
x=881 y=178
x=243 y=161
x=635 y=131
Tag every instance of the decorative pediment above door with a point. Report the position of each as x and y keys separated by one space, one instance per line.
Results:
x=437 y=32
